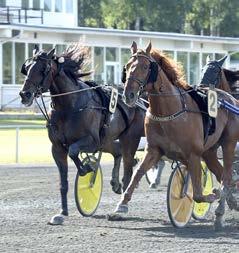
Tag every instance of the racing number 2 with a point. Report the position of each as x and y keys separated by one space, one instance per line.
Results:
x=212 y=103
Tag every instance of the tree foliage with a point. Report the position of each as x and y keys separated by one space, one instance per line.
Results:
x=208 y=17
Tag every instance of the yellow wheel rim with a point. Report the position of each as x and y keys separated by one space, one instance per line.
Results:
x=88 y=196
x=180 y=206
x=201 y=209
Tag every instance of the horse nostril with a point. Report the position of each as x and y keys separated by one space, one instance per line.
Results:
x=28 y=94
x=25 y=94
x=131 y=95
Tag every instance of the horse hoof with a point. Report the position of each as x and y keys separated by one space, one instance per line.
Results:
x=118 y=190
x=153 y=186
x=121 y=208
x=114 y=217
x=116 y=187
x=217 y=193
x=218 y=225
x=57 y=220
x=211 y=198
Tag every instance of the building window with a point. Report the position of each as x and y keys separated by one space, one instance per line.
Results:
x=2 y=3
x=25 y=4
x=219 y=56
x=36 y=5
x=204 y=58
x=169 y=53
x=60 y=49
x=99 y=64
x=112 y=54
x=182 y=57
x=31 y=47
x=58 y=5
x=47 y=47
x=125 y=55
x=69 y=6
x=194 y=68
x=7 y=62
x=47 y=5
x=19 y=59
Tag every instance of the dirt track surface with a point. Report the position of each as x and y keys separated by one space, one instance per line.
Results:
x=30 y=196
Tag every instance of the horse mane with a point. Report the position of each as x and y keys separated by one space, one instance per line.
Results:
x=172 y=69
x=231 y=76
x=76 y=58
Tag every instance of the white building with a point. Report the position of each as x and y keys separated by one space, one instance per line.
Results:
x=53 y=23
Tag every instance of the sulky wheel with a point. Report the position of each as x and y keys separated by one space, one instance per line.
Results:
x=180 y=197
x=200 y=210
x=88 y=188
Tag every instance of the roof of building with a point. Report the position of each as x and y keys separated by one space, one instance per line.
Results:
x=131 y=33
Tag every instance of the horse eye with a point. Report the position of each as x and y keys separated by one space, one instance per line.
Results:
x=145 y=66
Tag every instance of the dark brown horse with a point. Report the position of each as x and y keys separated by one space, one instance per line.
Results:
x=80 y=121
x=173 y=123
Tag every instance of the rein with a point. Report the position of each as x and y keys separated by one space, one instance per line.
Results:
x=72 y=92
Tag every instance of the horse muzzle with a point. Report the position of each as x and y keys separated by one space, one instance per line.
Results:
x=130 y=98
x=27 y=97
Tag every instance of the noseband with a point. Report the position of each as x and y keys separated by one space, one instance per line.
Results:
x=151 y=76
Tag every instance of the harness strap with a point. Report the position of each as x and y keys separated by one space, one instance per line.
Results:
x=165 y=118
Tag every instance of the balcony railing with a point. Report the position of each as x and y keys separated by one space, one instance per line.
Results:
x=11 y=15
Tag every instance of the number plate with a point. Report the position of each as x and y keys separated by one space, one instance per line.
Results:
x=212 y=103
x=113 y=100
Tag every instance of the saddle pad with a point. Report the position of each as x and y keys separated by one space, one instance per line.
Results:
x=104 y=94
x=209 y=123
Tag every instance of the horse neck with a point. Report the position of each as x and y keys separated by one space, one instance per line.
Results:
x=223 y=84
x=63 y=84
x=167 y=100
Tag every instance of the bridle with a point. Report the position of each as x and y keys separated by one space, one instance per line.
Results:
x=40 y=85
x=207 y=76
x=151 y=75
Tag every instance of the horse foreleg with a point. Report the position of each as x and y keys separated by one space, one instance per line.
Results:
x=228 y=155
x=150 y=159
x=211 y=160
x=86 y=144
x=195 y=170
x=114 y=148
x=128 y=150
x=60 y=156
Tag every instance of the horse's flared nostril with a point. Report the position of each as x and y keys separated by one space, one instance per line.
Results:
x=28 y=94
x=25 y=94
x=131 y=95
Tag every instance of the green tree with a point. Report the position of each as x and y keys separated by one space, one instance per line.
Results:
x=212 y=17
x=208 y=17
x=123 y=14
x=89 y=13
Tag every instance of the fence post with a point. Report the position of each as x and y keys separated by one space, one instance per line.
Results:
x=17 y=144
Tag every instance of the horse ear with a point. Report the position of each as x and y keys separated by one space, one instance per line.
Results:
x=133 y=47
x=51 y=53
x=221 y=61
x=208 y=59
x=148 y=48
x=35 y=50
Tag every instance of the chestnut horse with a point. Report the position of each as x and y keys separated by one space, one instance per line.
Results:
x=173 y=123
x=79 y=120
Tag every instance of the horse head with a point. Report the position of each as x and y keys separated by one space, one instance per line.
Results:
x=38 y=75
x=140 y=70
x=212 y=72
